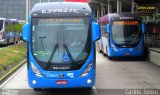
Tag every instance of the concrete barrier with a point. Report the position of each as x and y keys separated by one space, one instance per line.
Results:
x=154 y=55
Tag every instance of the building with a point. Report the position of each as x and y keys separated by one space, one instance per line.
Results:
x=13 y=9
x=17 y=8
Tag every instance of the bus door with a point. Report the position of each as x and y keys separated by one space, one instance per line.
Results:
x=1 y=30
x=104 y=39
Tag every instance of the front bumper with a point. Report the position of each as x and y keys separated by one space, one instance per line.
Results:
x=80 y=82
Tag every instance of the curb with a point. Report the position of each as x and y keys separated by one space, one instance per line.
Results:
x=12 y=71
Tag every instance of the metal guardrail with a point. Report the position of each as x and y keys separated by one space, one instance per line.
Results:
x=8 y=67
x=152 y=40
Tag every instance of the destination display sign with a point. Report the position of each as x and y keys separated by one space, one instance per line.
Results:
x=125 y=22
x=61 y=20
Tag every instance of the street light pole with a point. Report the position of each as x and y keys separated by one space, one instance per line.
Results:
x=27 y=2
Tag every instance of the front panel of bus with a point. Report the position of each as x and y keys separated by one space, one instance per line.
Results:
x=126 y=38
x=61 y=52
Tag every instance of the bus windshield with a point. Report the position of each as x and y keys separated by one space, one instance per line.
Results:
x=1 y=24
x=126 y=33
x=60 y=40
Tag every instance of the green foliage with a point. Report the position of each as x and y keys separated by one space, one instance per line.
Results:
x=14 y=27
x=8 y=28
x=17 y=27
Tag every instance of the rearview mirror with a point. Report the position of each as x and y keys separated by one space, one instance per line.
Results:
x=26 y=32
x=95 y=31
x=108 y=28
x=143 y=27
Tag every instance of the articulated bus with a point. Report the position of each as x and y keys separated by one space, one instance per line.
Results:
x=122 y=35
x=7 y=33
x=61 y=39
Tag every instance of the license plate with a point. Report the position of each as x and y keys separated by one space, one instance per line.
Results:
x=59 y=82
x=127 y=54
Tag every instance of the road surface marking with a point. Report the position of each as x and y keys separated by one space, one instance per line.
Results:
x=12 y=76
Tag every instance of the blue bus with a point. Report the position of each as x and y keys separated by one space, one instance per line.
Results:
x=122 y=35
x=60 y=40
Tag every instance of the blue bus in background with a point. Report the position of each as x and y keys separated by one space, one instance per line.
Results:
x=60 y=40
x=122 y=35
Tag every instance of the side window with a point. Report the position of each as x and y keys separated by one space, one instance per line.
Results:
x=104 y=33
x=8 y=27
x=11 y=27
x=1 y=24
x=102 y=30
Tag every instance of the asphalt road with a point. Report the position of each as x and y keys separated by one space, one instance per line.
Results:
x=113 y=76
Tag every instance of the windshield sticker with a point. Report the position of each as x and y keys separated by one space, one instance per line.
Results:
x=71 y=75
x=66 y=57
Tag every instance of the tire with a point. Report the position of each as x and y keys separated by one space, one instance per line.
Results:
x=104 y=54
x=110 y=58
x=100 y=51
x=37 y=89
x=88 y=88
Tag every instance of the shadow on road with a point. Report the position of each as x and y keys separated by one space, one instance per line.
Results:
x=128 y=59
x=57 y=92
x=2 y=46
x=64 y=92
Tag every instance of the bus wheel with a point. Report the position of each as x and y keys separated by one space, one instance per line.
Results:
x=110 y=58
x=100 y=51
x=104 y=54
x=88 y=88
x=37 y=89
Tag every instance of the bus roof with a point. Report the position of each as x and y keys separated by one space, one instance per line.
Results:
x=2 y=18
x=123 y=16
x=10 y=20
x=58 y=9
x=118 y=16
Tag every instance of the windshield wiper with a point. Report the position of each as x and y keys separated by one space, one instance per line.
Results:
x=42 y=42
x=67 y=50
x=52 y=54
x=70 y=56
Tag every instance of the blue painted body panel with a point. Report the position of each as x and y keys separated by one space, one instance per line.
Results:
x=50 y=82
x=133 y=52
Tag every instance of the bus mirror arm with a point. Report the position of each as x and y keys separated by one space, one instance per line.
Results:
x=95 y=31
x=51 y=56
x=108 y=28
x=26 y=32
x=143 y=28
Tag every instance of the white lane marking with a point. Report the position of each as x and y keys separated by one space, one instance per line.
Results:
x=94 y=90
x=12 y=76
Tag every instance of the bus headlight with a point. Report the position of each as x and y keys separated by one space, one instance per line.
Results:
x=86 y=71
x=35 y=70
x=140 y=47
x=114 y=48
